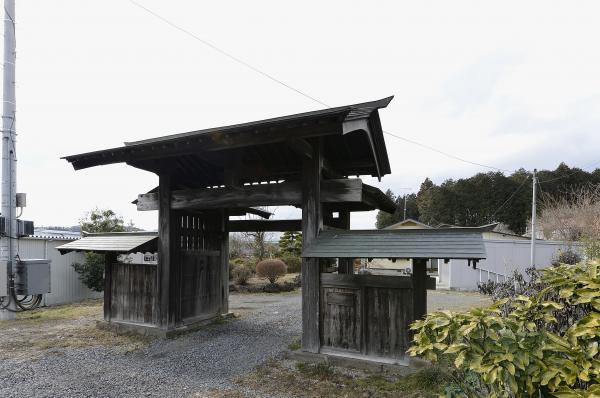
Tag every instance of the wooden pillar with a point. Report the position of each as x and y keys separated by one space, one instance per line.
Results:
x=345 y=265
x=419 y=277
x=109 y=260
x=312 y=222
x=224 y=261
x=168 y=268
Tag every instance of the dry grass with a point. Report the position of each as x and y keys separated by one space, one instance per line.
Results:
x=286 y=378
x=73 y=326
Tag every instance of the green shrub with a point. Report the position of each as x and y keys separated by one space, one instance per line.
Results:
x=241 y=274
x=545 y=343
x=271 y=269
x=293 y=263
x=91 y=272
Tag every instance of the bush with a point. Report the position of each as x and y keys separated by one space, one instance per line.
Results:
x=566 y=257
x=293 y=263
x=241 y=274
x=271 y=269
x=544 y=342
x=91 y=272
x=514 y=285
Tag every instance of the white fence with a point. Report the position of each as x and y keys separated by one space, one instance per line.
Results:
x=503 y=258
x=65 y=284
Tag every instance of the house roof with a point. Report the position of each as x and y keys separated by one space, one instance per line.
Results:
x=115 y=242
x=407 y=221
x=455 y=243
x=352 y=136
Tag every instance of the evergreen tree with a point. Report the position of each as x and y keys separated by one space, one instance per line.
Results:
x=487 y=197
x=91 y=271
x=290 y=243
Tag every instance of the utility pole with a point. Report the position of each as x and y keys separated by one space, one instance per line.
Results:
x=404 y=214
x=8 y=244
x=533 y=218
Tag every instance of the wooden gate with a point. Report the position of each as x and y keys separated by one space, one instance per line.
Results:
x=365 y=314
x=200 y=285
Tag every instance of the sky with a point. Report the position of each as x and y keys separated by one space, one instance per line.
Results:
x=509 y=84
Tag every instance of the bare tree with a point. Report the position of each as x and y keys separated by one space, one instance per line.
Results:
x=258 y=240
x=572 y=217
x=238 y=245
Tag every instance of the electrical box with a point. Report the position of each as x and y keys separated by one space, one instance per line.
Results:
x=21 y=199
x=2 y=226
x=32 y=277
x=24 y=228
x=3 y=279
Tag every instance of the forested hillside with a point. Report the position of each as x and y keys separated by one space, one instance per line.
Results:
x=486 y=197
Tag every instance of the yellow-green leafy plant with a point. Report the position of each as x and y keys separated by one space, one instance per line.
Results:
x=544 y=344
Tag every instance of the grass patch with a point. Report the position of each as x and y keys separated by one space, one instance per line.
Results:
x=320 y=371
x=71 y=311
x=322 y=380
x=295 y=345
x=68 y=326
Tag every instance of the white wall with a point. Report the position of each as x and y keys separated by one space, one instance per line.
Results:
x=503 y=257
x=64 y=281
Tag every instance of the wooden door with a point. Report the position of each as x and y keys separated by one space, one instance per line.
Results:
x=200 y=285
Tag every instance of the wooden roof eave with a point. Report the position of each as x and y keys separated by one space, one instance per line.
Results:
x=309 y=124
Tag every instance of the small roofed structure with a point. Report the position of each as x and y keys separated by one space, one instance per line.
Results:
x=113 y=242
x=308 y=160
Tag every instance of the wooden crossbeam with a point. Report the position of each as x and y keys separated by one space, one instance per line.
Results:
x=264 y=225
x=287 y=193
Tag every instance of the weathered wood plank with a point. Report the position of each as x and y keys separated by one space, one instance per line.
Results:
x=109 y=259
x=133 y=293
x=167 y=271
x=419 y=277
x=265 y=225
x=345 y=265
x=287 y=193
x=224 y=285
x=312 y=222
x=357 y=281
x=340 y=319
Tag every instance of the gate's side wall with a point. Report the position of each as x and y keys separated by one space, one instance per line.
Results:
x=366 y=314
x=133 y=293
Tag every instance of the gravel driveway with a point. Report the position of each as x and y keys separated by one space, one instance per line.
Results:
x=200 y=364
x=195 y=364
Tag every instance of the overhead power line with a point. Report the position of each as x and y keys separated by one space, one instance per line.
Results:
x=227 y=54
x=446 y=153
x=568 y=174
x=509 y=198
x=290 y=87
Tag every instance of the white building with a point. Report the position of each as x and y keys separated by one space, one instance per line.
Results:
x=505 y=254
x=64 y=281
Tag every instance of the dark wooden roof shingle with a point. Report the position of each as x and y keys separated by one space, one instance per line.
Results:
x=455 y=243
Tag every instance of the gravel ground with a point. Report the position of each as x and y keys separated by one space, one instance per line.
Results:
x=199 y=364
x=195 y=364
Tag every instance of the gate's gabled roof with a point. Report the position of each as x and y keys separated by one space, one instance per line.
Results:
x=455 y=243
x=115 y=242
x=352 y=137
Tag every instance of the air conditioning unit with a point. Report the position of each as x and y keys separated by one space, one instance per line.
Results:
x=24 y=228
x=32 y=277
